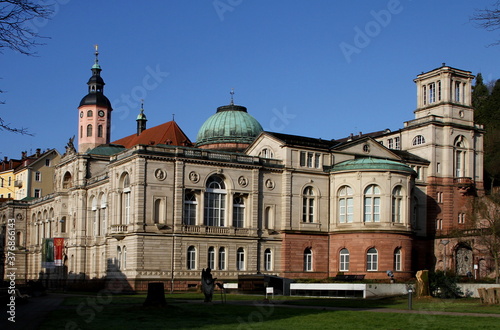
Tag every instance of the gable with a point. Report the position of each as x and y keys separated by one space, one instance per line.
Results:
x=367 y=147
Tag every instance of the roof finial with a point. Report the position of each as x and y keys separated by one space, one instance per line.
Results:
x=142 y=105
x=173 y=117
x=232 y=94
x=96 y=63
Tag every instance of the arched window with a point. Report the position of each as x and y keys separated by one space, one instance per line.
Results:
x=308 y=267
x=190 y=205
x=94 y=215
x=418 y=140
x=222 y=258
x=397 y=202
x=191 y=258
x=63 y=224
x=89 y=130
x=215 y=202
x=344 y=260
x=158 y=211
x=308 y=205
x=118 y=257
x=240 y=259
x=268 y=262
x=99 y=131
x=397 y=260
x=238 y=212
x=102 y=214
x=266 y=153
x=67 y=180
x=372 y=259
x=211 y=258
x=346 y=204
x=414 y=213
x=268 y=218
x=372 y=204
x=124 y=256
x=460 y=156
x=89 y=113
x=125 y=199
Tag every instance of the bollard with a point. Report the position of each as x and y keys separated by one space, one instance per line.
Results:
x=410 y=291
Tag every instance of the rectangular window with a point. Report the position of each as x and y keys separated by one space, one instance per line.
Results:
x=38 y=193
x=310 y=159
x=457 y=91
x=424 y=94
x=438 y=167
x=38 y=176
x=390 y=143
x=1 y=184
x=302 y=158
x=222 y=258
x=344 y=262
x=47 y=162
x=397 y=261
x=376 y=209
x=397 y=145
x=317 y=160
x=10 y=181
x=368 y=210
x=432 y=93
x=439 y=90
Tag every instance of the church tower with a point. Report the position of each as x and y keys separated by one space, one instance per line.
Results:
x=444 y=133
x=94 y=112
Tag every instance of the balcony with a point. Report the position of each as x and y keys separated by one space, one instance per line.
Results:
x=118 y=231
x=464 y=184
x=18 y=183
x=213 y=230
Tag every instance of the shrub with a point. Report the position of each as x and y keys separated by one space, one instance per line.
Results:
x=444 y=285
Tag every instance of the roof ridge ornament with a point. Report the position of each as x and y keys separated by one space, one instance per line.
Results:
x=232 y=95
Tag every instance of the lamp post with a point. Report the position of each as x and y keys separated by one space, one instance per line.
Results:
x=444 y=242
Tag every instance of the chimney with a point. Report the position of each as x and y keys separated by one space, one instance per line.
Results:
x=23 y=154
x=38 y=152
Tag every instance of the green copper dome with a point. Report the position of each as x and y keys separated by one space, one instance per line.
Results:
x=231 y=124
x=369 y=163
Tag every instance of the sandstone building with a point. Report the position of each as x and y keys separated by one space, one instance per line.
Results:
x=155 y=206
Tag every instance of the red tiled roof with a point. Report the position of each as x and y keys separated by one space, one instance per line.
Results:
x=167 y=133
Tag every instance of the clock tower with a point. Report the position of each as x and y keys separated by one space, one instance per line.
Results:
x=94 y=112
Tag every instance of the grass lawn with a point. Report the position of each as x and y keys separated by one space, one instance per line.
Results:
x=184 y=311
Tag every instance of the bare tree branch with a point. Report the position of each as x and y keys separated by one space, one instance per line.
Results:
x=17 y=31
x=488 y=19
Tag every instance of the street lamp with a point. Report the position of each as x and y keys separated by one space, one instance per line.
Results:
x=444 y=242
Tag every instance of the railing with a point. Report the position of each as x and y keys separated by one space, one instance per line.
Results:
x=18 y=183
x=212 y=230
x=217 y=230
x=191 y=229
x=118 y=229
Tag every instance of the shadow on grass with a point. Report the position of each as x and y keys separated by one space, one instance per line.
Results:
x=185 y=312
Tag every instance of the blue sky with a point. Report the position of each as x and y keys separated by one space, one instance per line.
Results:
x=316 y=68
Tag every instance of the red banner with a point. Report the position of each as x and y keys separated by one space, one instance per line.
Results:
x=58 y=251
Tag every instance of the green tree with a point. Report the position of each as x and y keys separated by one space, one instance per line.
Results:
x=487 y=113
x=480 y=94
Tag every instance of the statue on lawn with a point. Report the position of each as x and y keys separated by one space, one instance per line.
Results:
x=207 y=284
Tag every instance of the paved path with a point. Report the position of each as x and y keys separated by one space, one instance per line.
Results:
x=31 y=314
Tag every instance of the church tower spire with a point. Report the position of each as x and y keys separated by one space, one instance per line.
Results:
x=141 y=120
x=94 y=123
